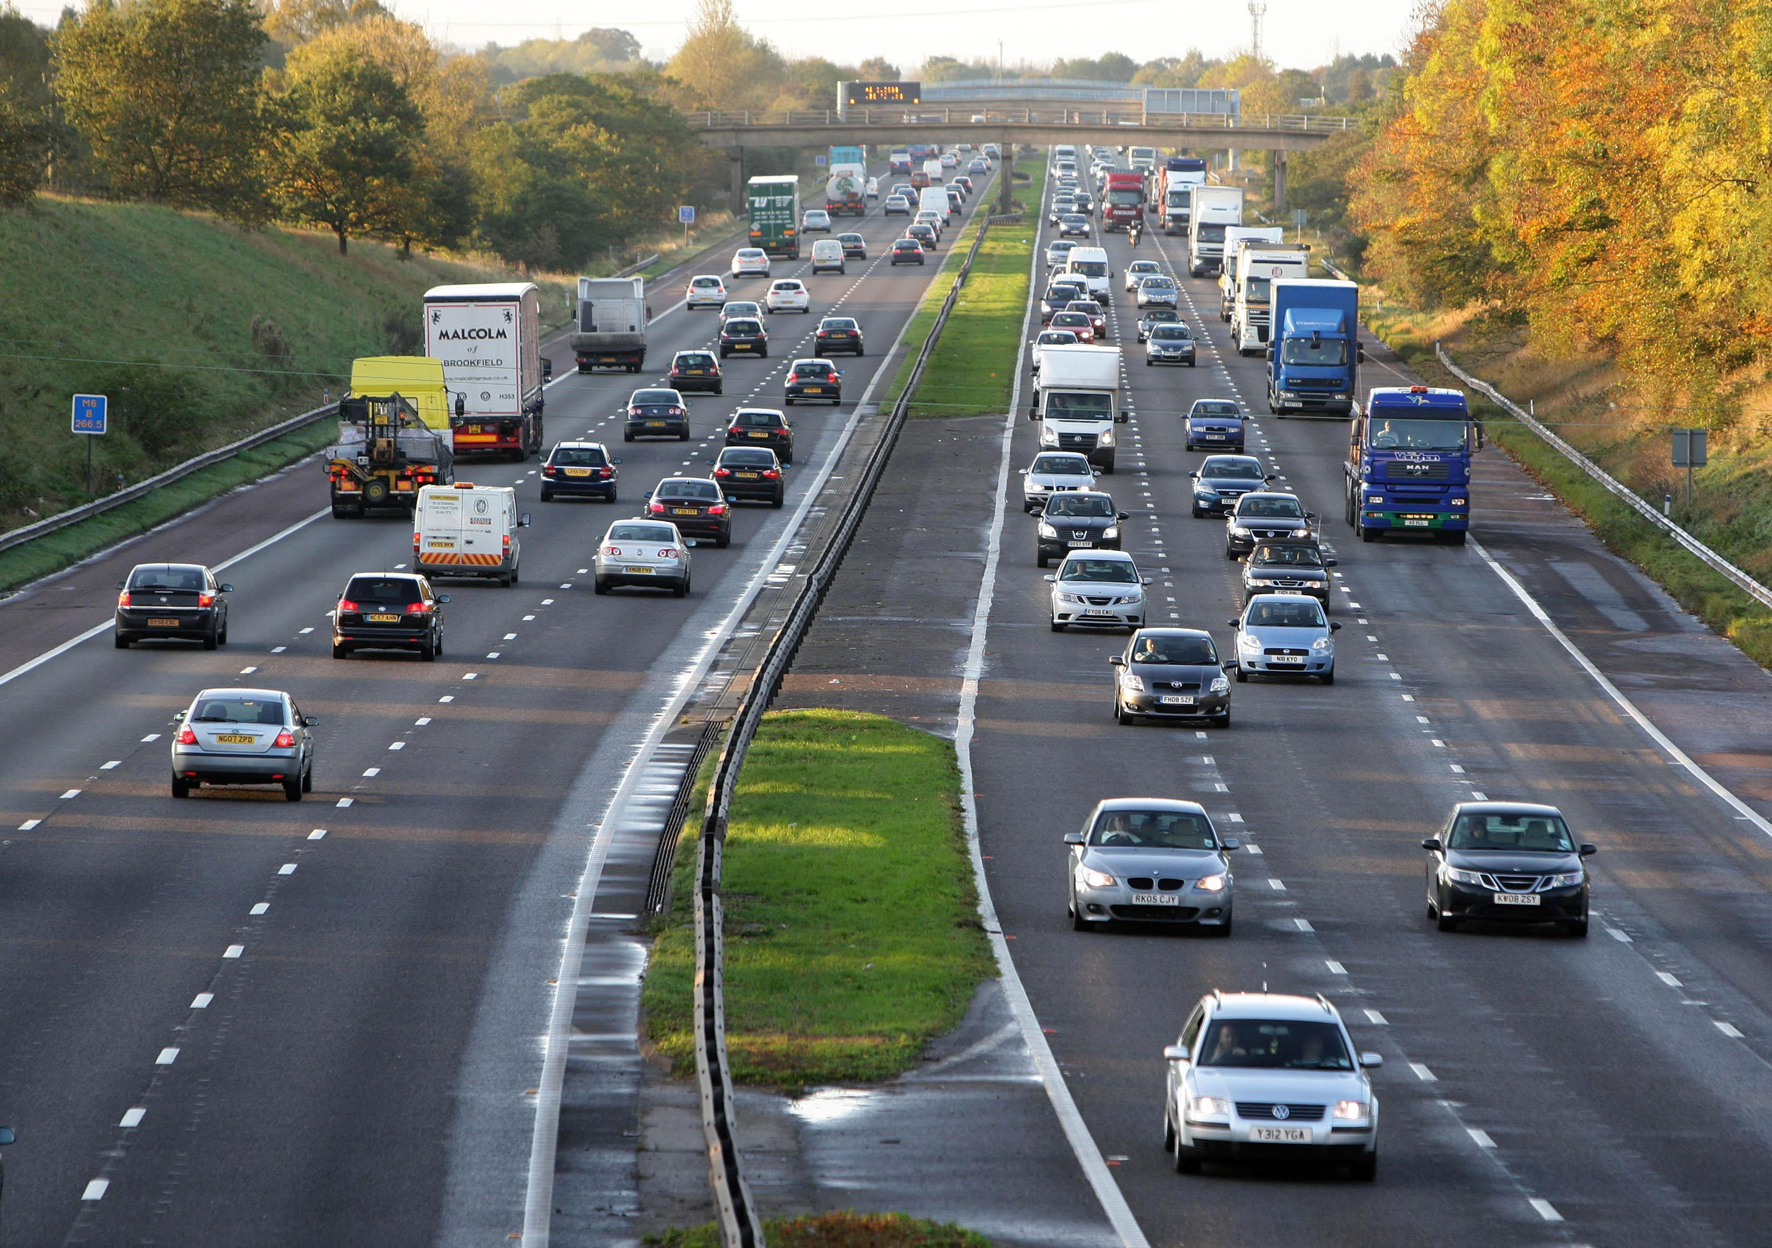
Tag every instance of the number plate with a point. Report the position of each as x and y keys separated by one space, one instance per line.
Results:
x=1074 y=545
x=1156 y=899
x=158 y=623
x=1286 y=660
x=578 y=472
x=1516 y=899
x=1213 y=437
x=235 y=738
x=745 y=476
x=693 y=372
x=814 y=389
x=638 y=571
x=759 y=434
x=1416 y=524
x=1184 y=699
x=683 y=511
x=382 y=619
x=655 y=424
x=1099 y=613
x=1280 y=1135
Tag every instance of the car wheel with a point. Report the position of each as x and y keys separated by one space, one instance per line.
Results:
x=1229 y=553
x=1223 y=929
x=1242 y=676
x=600 y=587
x=1328 y=677
x=684 y=436
x=1366 y=1169
x=221 y=638
x=787 y=400
x=121 y=641
x=339 y=651
x=292 y=790
x=1121 y=716
x=626 y=436
x=1078 y=922
x=778 y=500
x=307 y=778
x=428 y=652
x=209 y=642
x=1223 y=721
x=1577 y=929
x=547 y=496
x=1039 y=558
x=1057 y=627
x=724 y=540
x=181 y=787
x=1187 y=1160
x=680 y=589
x=1168 y=1131
x=1197 y=513
x=1445 y=922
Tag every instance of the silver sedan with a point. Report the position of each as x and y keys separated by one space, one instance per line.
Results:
x=243 y=736
x=650 y=553
x=1150 y=859
x=1054 y=472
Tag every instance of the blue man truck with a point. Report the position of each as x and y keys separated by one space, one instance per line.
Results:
x=1314 y=353
x=1408 y=463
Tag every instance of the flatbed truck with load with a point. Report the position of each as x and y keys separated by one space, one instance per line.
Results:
x=1408 y=466
x=611 y=326
x=393 y=436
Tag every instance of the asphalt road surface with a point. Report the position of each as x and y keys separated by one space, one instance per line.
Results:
x=236 y=1020
x=1537 y=1088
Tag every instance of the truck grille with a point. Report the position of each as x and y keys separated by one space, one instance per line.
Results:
x=1397 y=469
x=1076 y=441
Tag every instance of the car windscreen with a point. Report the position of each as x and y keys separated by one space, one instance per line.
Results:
x=233 y=709
x=1217 y=409
x=1080 y=506
x=1090 y=268
x=168 y=579
x=1069 y=405
x=1081 y=320
x=400 y=589
x=1283 y=614
x=740 y=328
x=1162 y=316
x=1327 y=353
x=579 y=457
x=641 y=533
x=1075 y=218
x=1292 y=556
x=679 y=488
x=1418 y=435
x=1232 y=470
x=1283 y=508
x=1170 y=333
x=1532 y=833
x=1176 y=651
x=1062 y=465
x=643 y=397
x=1278 y=1044
x=748 y=458
x=1158 y=282
x=1153 y=829
x=1115 y=571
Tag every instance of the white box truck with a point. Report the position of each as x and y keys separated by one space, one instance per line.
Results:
x=933 y=171
x=468 y=530
x=1227 y=271
x=488 y=338
x=935 y=199
x=1259 y=266
x=1077 y=401
x=611 y=328
x=1213 y=209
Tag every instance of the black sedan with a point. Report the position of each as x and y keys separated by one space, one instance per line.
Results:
x=1223 y=479
x=855 y=247
x=1077 y=520
x=907 y=251
x=1506 y=862
x=764 y=427
x=838 y=333
x=818 y=380
x=579 y=470
x=751 y=472
x=1287 y=568
x=924 y=234
x=1171 y=673
x=388 y=611
x=1152 y=317
x=696 y=505
x=655 y=413
x=696 y=370
x=181 y=600
x=744 y=336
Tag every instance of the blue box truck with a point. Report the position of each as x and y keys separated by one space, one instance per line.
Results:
x=1408 y=466
x=1314 y=353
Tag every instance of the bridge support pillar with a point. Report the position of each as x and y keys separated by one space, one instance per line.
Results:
x=1005 y=175
x=737 y=184
x=1279 y=162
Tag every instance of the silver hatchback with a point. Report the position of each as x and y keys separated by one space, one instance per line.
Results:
x=1285 y=633
x=243 y=736
x=1150 y=859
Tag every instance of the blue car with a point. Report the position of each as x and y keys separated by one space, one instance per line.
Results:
x=1215 y=425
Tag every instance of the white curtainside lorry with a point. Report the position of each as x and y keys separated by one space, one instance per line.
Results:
x=1212 y=210
x=611 y=328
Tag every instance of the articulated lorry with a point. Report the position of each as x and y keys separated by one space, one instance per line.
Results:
x=774 y=202
x=1077 y=401
x=393 y=435
x=1314 y=351
x=1408 y=466
x=1211 y=211
x=1174 y=188
x=611 y=327
x=488 y=338
x=1257 y=267
x=1227 y=271
x=1122 y=200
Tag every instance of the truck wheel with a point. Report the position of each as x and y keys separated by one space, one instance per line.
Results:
x=375 y=493
x=1451 y=537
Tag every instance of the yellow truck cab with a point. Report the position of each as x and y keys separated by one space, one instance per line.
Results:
x=416 y=378
x=394 y=436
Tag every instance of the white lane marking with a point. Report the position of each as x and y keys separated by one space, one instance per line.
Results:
x=397 y=745
x=1477 y=796
x=168 y=1056
x=133 y=1117
x=278 y=649
x=1408 y=697
x=1252 y=848
x=201 y=1000
x=1439 y=744
x=345 y=801
x=1376 y=1019
x=470 y=675
x=1303 y=925
x=547 y=602
x=421 y=721
x=247 y=671
x=306 y=631
x=1457 y=768
x=95 y=1190
x=71 y=793
x=370 y=772
x=1479 y=1137
x=152 y=736
x=528 y=618
x=1728 y=1029
x=1423 y=1073
x=1670 y=980
x=260 y=908
x=1335 y=968
x=1545 y=1209
x=28 y=824
x=234 y=951
x=318 y=834
x=1655 y=734
x=510 y=636
x=448 y=697
x=287 y=868
x=1233 y=816
x=1617 y=935
x=114 y=763
x=1279 y=886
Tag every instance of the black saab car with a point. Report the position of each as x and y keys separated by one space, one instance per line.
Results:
x=180 y=600
x=743 y=335
x=1223 y=479
x=907 y=251
x=924 y=234
x=579 y=470
x=1506 y=862
x=1171 y=673
x=1150 y=318
x=388 y=611
x=815 y=380
x=696 y=505
x=1077 y=520
x=765 y=427
x=655 y=413
x=838 y=333
x=696 y=370
x=855 y=247
x=1287 y=568
x=751 y=472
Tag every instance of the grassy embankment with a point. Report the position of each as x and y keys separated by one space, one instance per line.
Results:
x=972 y=370
x=838 y=1230
x=198 y=331
x=1585 y=401
x=852 y=935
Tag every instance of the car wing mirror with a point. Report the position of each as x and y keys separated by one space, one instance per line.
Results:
x=689 y=541
x=1587 y=849
x=178 y=717
x=1334 y=626
x=1310 y=515
x=1124 y=515
x=1230 y=842
x=1371 y=1061
x=119 y=584
x=1149 y=580
x=1330 y=563
x=226 y=588
x=442 y=597
x=1232 y=623
x=1434 y=845
x=1194 y=475
x=308 y=721
x=1022 y=471
x=1360 y=354
x=1116 y=660
x=615 y=461
x=1175 y=1053
x=1073 y=838
x=1050 y=577
x=523 y=521
x=7 y=1136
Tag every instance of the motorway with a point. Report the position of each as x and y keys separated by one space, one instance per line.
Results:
x=1537 y=1088
x=237 y=1020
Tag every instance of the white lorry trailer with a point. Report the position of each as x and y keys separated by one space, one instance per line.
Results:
x=488 y=338
x=611 y=327
x=1259 y=266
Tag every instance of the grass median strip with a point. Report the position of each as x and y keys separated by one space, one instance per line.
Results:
x=852 y=934
x=838 y=1230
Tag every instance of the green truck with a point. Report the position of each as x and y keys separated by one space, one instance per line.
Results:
x=775 y=214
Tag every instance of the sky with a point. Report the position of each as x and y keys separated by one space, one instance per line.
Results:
x=1296 y=33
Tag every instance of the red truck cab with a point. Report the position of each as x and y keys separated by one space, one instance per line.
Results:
x=1122 y=200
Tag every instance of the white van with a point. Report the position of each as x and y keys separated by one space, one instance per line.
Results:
x=468 y=530
x=827 y=253
x=934 y=171
x=1091 y=264
x=935 y=199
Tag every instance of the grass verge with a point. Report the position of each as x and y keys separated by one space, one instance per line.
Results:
x=57 y=550
x=852 y=934
x=838 y=1230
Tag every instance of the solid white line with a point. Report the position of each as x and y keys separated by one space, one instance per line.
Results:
x=1624 y=704
x=1076 y=1131
x=1545 y=1209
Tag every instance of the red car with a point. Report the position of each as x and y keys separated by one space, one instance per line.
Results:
x=1077 y=322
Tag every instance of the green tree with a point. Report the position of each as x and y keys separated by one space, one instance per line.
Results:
x=295 y=22
x=347 y=156
x=721 y=65
x=1173 y=71
x=167 y=95
x=877 y=69
x=27 y=127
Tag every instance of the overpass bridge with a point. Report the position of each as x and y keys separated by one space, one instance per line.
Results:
x=1010 y=122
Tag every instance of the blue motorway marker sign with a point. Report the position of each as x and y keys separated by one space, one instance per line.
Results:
x=91 y=413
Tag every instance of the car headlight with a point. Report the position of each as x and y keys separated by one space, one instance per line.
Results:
x=1047 y=530
x=1304 y=532
x=1048 y=436
x=1322 y=643
x=1201 y=491
x=1350 y=1111
x=1210 y=884
x=1209 y=1107
x=1458 y=876
x=1220 y=684
x=1240 y=530
x=1072 y=598
x=1095 y=879
x=1106 y=439
x=1566 y=880
x=1248 y=641
x=1375 y=499
x=1112 y=531
x=1131 y=682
